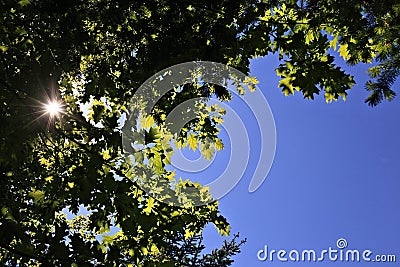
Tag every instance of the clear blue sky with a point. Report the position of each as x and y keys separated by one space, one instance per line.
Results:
x=336 y=174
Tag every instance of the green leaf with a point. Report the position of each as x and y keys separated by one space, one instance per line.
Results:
x=149 y=206
x=374 y=71
x=37 y=195
x=310 y=36
x=286 y=83
x=149 y=122
x=24 y=2
x=344 y=52
x=206 y=150
x=333 y=43
x=219 y=145
x=193 y=144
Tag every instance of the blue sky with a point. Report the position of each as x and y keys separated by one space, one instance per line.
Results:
x=336 y=174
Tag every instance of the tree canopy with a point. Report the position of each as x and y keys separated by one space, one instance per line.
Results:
x=96 y=53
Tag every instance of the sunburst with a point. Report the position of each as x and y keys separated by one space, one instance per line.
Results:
x=53 y=108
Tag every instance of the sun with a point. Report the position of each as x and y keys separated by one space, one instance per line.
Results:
x=53 y=108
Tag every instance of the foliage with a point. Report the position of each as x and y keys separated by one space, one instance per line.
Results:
x=189 y=250
x=96 y=53
x=309 y=34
